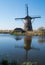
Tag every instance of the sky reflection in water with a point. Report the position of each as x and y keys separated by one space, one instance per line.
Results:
x=22 y=48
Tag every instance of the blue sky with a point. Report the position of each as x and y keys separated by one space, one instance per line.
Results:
x=11 y=9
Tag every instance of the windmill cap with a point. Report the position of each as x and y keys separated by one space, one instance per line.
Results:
x=28 y=17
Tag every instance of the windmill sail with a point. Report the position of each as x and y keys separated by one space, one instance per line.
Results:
x=36 y=17
x=18 y=18
x=27 y=9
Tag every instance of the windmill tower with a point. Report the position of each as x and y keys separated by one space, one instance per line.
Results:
x=27 y=18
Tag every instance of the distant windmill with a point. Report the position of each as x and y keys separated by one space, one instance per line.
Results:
x=28 y=24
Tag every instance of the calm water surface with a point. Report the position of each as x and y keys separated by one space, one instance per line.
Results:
x=22 y=48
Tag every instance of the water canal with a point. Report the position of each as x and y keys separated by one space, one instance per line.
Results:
x=22 y=48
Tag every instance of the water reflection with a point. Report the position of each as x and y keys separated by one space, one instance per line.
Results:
x=27 y=46
x=17 y=37
x=27 y=49
x=41 y=39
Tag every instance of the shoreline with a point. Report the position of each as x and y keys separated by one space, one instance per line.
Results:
x=30 y=33
x=27 y=33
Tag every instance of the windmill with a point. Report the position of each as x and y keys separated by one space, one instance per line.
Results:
x=27 y=18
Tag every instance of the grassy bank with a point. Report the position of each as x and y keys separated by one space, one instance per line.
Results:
x=17 y=33
x=30 y=33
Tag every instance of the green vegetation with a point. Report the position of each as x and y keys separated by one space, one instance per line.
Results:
x=30 y=33
x=6 y=62
x=30 y=63
x=17 y=33
x=39 y=32
x=42 y=30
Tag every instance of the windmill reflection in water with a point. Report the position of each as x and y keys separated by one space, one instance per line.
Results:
x=27 y=45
